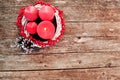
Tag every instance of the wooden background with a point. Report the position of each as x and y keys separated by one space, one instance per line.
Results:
x=89 y=49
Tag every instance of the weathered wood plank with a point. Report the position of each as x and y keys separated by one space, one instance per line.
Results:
x=58 y=61
x=83 y=3
x=7 y=3
x=76 y=13
x=77 y=74
x=102 y=36
x=69 y=44
x=10 y=30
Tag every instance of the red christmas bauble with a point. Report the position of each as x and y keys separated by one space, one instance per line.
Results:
x=31 y=27
x=31 y=13
x=46 y=13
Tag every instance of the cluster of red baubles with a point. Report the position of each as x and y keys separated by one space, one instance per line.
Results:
x=44 y=29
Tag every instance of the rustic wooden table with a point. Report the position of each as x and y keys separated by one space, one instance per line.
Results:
x=89 y=50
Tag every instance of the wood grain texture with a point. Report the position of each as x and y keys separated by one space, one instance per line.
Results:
x=79 y=37
x=104 y=29
x=84 y=3
x=58 y=61
x=76 y=13
x=89 y=49
x=76 y=74
x=68 y=44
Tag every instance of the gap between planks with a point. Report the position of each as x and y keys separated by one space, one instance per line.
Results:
x=65 y=69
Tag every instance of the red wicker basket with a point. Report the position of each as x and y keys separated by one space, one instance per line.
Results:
x=28 y=42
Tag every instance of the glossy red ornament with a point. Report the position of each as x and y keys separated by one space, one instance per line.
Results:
x=31 y=27
x=46 y=30
x=46 y=13
x=31 y=13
